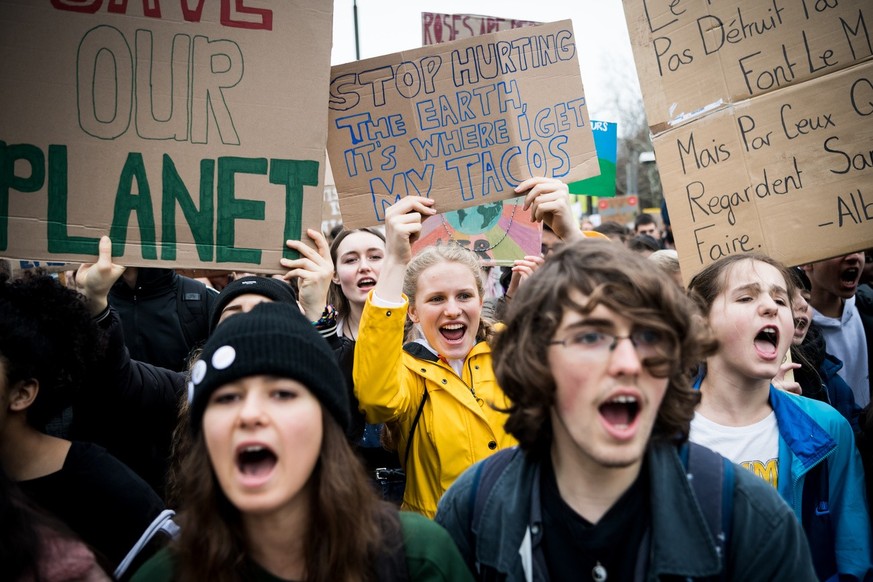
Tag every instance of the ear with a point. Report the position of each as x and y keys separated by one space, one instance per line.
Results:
x=413 y=313
x=23 y=394
x=335 y=278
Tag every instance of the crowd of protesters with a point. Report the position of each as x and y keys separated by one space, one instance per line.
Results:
x=375 y=414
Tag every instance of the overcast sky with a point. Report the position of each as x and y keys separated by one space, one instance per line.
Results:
x=389 y=26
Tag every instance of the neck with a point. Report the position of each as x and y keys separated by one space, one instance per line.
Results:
x=352 y=319
x=275 y=539
x=26 y=453
x=827 y=304
x=732 y=400
x=586 y=486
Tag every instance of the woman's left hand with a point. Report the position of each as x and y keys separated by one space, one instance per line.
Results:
x=787 y=384
x=314 y=270
x=549 y=201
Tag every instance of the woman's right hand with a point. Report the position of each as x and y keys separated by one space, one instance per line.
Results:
x=403 y=224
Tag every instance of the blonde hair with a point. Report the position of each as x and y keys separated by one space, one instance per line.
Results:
x=447 y=253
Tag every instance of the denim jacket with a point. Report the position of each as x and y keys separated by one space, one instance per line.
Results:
x=766 y=542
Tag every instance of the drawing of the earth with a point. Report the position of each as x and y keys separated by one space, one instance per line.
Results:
x=477 y=219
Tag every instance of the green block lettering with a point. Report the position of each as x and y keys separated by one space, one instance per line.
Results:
x=200 y=221
x=58 y=239
x=141 y=203
x=294 y=174
x=9 y=181
x=231 y=208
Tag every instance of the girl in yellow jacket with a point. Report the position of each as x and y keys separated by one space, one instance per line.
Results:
x=438 y=394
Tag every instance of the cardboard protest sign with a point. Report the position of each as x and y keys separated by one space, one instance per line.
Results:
x=620 y=209
x=606 y=142
x=437 y=28
x=763 y=121
x=462 y=123
x=192 y=135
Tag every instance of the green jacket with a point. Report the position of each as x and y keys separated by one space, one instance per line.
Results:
x=430 y=556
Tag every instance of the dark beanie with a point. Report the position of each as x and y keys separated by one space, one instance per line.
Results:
x=278 y=291
x=272 y=339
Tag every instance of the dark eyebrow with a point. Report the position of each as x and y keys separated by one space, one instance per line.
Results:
x=748 y=288
x=592 y=322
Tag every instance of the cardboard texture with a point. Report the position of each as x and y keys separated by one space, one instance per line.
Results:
x=462 y=123
x=762 y=114
x=193 y=135
x=437 y=28
x=620 y=209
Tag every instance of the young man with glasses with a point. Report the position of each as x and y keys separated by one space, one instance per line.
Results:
x=596 y=357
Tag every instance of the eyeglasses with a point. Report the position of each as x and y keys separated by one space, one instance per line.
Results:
x=648 y=342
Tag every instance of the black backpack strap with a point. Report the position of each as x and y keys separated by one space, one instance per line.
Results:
x=711 y=477
x=412 y=429
x=193 y=309
x=486 y=475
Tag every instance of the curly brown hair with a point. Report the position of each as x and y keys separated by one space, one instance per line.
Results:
x=605 y=274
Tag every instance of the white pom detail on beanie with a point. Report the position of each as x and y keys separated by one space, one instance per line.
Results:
x=198 y=371
x=223 y=357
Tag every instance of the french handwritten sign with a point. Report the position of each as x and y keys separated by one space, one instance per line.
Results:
x=192 y=133
x=461 y=122
x=763 y=121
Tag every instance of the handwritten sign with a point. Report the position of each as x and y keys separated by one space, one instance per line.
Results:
x=462 y=122
x=763 y=121
x=620 y=209
x=192 y=135
x=437 y=28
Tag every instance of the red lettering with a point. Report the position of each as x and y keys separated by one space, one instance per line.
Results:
x=234 y=13
x=266 y=20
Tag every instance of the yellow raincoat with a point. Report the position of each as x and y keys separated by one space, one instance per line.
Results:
x=458 y=425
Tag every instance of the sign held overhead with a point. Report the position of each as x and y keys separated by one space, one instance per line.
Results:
x=462 y=123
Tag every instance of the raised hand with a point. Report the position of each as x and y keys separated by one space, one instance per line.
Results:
x=96 y=279
x=313 y=269
x=549 y=201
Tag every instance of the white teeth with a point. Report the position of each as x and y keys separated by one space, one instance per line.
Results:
x=622 y=399
x=453 y=326
x=253 y=449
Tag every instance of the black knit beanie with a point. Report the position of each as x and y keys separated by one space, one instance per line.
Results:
x=272 y=339
x=278 y=291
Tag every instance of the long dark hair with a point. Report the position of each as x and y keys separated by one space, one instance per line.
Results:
x=335 y=295
x=348 y=525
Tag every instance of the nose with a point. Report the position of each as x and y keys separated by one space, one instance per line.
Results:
x=251 y=413
x=364 y=265
x=854 y=257
x=624 y=359
x=768 y=306
x=452 y=308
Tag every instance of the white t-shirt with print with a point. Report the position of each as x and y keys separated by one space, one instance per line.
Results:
x=754 y=447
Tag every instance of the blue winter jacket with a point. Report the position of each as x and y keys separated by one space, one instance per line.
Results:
x=839 y=393
x=811 y=432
